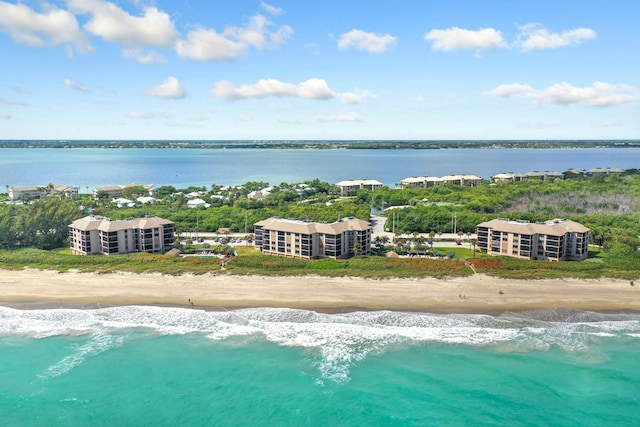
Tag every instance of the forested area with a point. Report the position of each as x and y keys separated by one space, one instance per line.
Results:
x=609 y=206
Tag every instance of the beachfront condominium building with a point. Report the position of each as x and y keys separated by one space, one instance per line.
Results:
x=38 y=191
x=349 y=187
x=100 y=235
x=313 y=240
x=554 y=240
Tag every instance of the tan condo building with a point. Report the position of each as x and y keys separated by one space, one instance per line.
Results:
x=313 y=240
x=38 y=191
x=554 y=240
x=100 y=235
x=349 y=187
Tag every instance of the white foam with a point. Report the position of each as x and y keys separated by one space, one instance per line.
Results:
x=97 y=344
x=337 y=340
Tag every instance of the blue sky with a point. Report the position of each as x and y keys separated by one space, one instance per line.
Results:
x=196 y=69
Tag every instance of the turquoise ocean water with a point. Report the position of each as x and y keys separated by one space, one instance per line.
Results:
x=180 y=366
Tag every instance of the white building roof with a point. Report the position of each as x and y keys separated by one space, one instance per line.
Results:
x=554 y=227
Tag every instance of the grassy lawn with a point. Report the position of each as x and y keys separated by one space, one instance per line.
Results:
x=246 y=250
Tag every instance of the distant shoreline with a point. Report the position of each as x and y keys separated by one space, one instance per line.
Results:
x=480 y=294
x=320 y=145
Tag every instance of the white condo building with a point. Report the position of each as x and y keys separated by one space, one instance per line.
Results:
x=101 y=235
x=554 y=240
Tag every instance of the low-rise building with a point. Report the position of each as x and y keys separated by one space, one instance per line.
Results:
x=101 y=235
x=543 y=175
x=554 y=240
x=313 y=240
x=430 y=181
x=197 y=203
x=349 y=187
x=470 y=180
x=604 y=171
x=420 y=181
x=573 y=173
x=38 y=191
x=114 y=191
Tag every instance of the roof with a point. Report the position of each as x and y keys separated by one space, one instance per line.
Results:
x=88 y=223
x=554 y=227
x=461 y=177
x=102 y=223
x=310 y=227
x=54 y=187
x=420 y=179
x=352 y=182
x=506 y=175
x=605 y=170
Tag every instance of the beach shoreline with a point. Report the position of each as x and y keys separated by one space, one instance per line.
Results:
x=478 y=294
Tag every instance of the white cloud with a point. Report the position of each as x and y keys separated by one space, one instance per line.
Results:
x=281 y=35
x=75 y=85
x=289 y=121
x=347 y=117
x=251 y=35
x=170 y=89
x=18 y=89
x=207 y=45
x=311 y=89
x=599 y=94
x=15 y=102
x=53 y=27
x=5 y=116
x=508 y=89
x=313 y=48
x=271 y=10
x=255 y=33
x=204 y=44
x=245 y=118
x=537 y=125
x=197 y=118
x=153 y=28
x=144 y=57
x=536 y=37
x=146 y=115
x=174 y=124
x=460 y=39
x=608 y=124
x=355 y=98
x=370 y=42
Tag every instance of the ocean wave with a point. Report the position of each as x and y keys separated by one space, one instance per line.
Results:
x=337 y=340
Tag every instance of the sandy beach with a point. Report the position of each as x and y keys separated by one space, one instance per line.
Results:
x=480 y=293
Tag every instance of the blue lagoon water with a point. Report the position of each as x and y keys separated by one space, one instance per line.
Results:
x=92 y=167
x=180 y=366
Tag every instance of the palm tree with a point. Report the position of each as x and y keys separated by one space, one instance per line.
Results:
x=400 y=242
x=419 y=241
x=473 y=242
x=357 y=248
